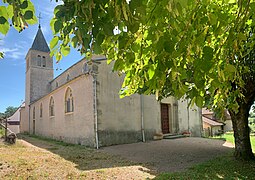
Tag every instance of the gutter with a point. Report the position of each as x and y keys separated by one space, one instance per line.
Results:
x=95 y=110
x=29 y=118
x=142 y=117
x=188 y=115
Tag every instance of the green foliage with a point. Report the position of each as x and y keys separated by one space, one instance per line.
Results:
x=8 y=112
x=18 y=14
x=200 y=50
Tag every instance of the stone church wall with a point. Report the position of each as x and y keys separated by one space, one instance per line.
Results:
x=75 y=127
x=73 y=72
x=119 y=120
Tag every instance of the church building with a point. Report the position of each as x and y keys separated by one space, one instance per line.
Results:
x=82 y=105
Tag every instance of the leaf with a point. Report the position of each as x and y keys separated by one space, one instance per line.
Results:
x=54 y=42
x=208 y=53
x=151 y=72
x=65 y=50
x=28 y=14
x=2 y=20
x=57 y=26
x=199 y=101
x=58 y=56
x=230 y=68
x=24 y=5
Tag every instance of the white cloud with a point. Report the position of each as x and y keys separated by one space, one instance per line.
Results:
x=15 y=52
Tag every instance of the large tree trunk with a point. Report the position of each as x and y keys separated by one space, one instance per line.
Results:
x=241 y=129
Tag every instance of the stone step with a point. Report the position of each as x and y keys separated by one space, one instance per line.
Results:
x=173 y=136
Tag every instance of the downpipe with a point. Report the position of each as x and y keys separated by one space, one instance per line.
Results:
x=142 y=117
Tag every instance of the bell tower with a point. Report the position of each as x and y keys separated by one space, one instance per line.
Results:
x=39 y=69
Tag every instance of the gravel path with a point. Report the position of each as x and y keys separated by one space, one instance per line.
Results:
x=171 y=155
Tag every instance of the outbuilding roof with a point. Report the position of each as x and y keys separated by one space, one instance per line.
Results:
x=211 y=122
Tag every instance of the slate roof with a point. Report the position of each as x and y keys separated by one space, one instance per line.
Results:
x=40 y=43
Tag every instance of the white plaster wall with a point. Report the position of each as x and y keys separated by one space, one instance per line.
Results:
x=123 y=114
x=189 y=119
x=228 y=125
x=14 y=128
x=75 y=127
x=24 y=120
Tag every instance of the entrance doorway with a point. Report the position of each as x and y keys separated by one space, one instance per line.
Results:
x=164 y=118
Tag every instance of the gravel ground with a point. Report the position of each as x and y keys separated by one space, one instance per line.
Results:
x=171 y=155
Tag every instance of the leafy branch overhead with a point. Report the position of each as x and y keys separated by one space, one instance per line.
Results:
x=177 y=47
x=18 y=14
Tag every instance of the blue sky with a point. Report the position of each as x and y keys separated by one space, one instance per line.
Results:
x=15 y=46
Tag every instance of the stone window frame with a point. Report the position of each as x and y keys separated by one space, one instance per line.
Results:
x=69 y=101
x=51 y=107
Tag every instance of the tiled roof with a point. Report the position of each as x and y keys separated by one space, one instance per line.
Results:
x=211 y=122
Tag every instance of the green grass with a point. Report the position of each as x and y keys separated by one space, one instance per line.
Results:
x=225 y=167
x=229 y=137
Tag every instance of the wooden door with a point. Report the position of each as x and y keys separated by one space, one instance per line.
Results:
x=165 y=118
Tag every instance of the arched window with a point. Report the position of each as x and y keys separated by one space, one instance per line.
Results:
x=38 y=60
x=56 y=84
x=69 y=104
x=34 y=113
x=51 y=107
x=41 y=110
x=43 y=61
x=67 y=77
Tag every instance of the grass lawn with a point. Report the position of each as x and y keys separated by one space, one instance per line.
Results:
x=47 y=159
x=229 y=137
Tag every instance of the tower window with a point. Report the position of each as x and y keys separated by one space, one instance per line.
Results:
x=51 y=107
x=69 y=103
x=38 y=60
x=56 y=84
x=43 y=61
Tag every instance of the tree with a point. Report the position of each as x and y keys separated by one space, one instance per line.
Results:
x=198 y=49
x=18 y=14
x=202 y=50
x=10 y=110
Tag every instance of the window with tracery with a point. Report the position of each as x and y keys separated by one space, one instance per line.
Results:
x=69 y=103
x=51 y=107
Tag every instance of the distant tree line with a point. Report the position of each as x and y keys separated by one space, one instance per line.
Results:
x=8 y=112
